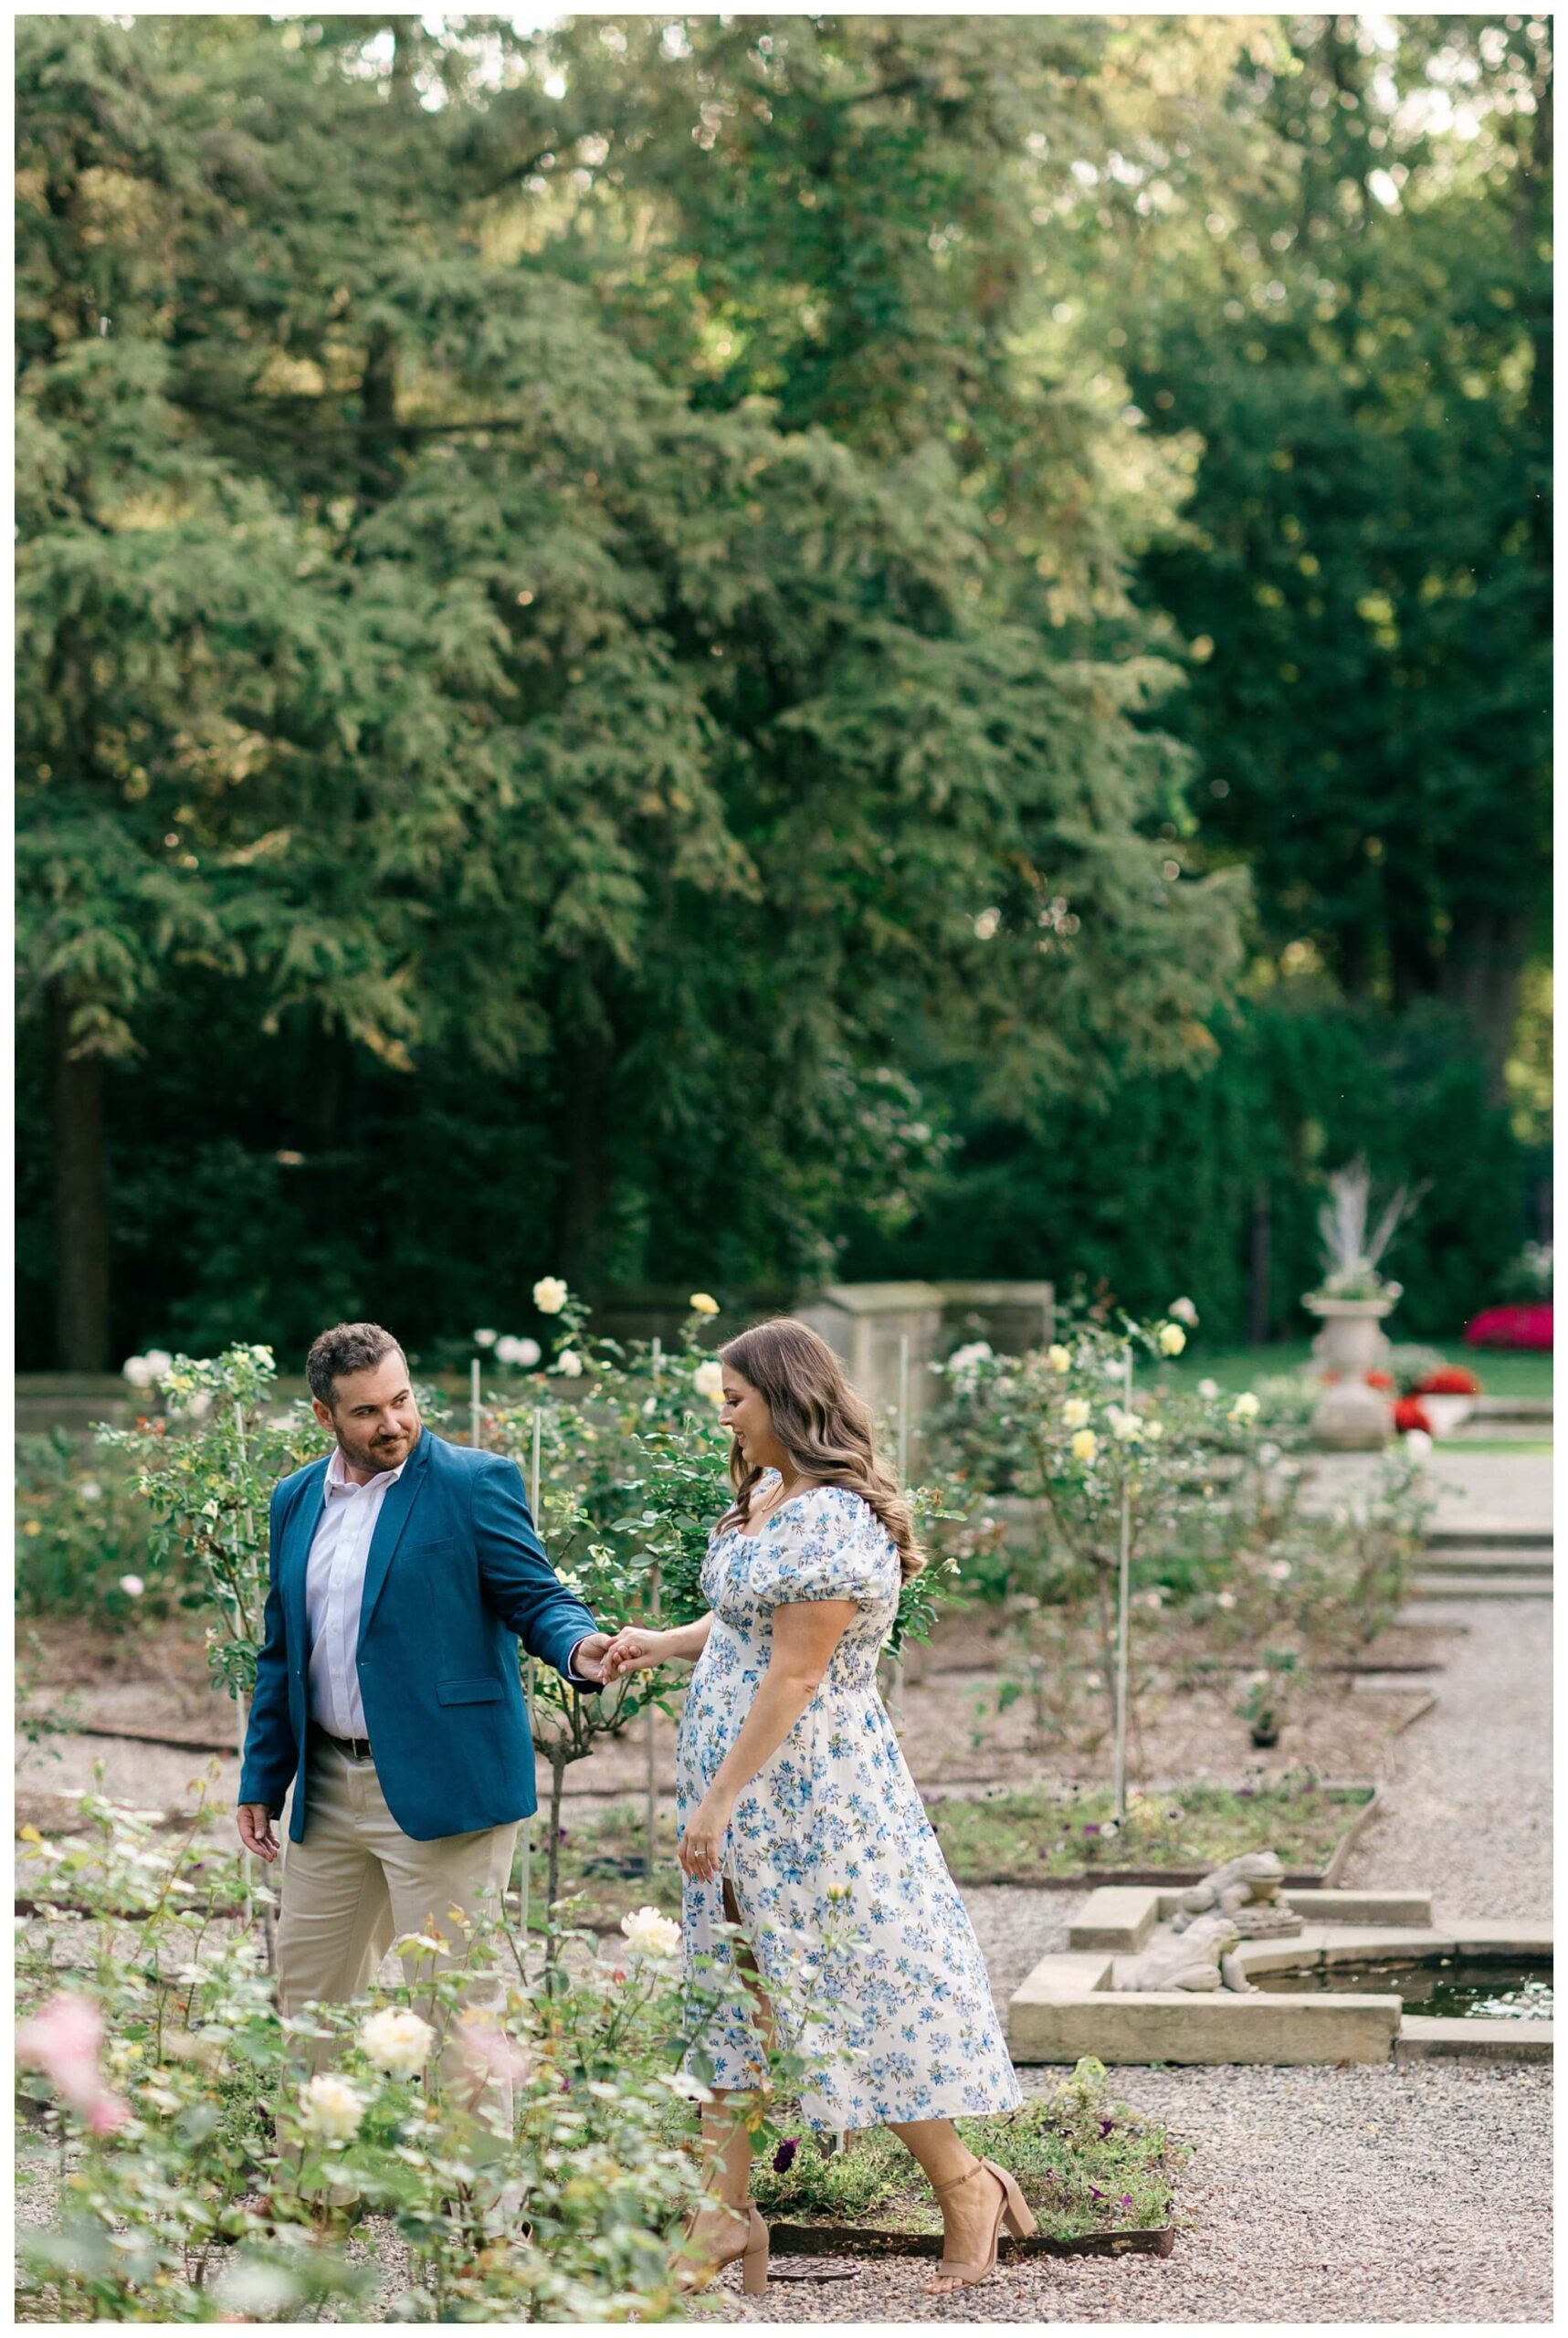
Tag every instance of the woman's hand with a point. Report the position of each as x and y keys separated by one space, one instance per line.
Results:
x=702 y=1844
x=633 y=1650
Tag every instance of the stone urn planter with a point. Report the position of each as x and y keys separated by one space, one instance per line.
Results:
x=1351 y=1417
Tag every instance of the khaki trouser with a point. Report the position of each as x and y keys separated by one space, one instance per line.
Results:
x=357 y=1883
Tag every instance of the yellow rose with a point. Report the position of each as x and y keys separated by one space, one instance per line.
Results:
x=1059 y=1359
x=1074 y=1412
x=1173 y=1339
x=1085 y=1444
x=701 y=1303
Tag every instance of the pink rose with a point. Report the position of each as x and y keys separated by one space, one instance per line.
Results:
x=63 y=2039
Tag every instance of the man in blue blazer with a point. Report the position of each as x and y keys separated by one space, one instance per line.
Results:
x=403 y=1572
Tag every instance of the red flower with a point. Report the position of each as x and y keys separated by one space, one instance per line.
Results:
x=1450 y=1380
x=1410 y=1413
x=1380 y=1379
x=1511 y=1327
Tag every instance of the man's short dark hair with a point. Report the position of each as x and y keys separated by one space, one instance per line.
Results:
x=347 y=1347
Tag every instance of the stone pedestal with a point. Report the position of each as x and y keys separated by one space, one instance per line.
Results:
x=865 y=1323
x=1351 y=1416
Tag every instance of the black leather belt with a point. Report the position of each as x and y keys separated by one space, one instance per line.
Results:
x=356 y=1748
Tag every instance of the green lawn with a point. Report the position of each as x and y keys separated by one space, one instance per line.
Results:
x=1501 y=1371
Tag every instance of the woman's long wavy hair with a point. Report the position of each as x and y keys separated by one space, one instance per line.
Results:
x=823 y=1426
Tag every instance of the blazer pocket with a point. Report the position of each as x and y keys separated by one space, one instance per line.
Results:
x=469 y=1692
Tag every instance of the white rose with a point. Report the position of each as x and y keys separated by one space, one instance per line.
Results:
x=1209 y=1390
x=1173 y=1339
x=1245 y=1407
x=514 y=1351
x=1417 y=1442
x=1074 y=1412
x=157 y=1361
x=688 y=2088
x=708 y=1380
x=1154 y=1428
x=1085 y=1444
x=1125 y=1425
x=331 y=2108
x=1280 y=1570
x=484 y=1339
x=651 y=1934
x=397 y=2041
x=1059 y=1359
x=703 y=1302
x=1183 y=1311
x=90 y=1491
x=132 y=1585
x=569 y=1363
x=550 y=1294
x=1225 y=1599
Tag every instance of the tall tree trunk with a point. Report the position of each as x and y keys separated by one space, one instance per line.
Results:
x=1259 y=1266
x=1482 y=970
x=81 y=1197
x=585 y=1204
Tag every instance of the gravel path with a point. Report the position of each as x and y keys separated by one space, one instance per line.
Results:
x=1470 y=1785
x=1388 y=2193
x=1416 y=2194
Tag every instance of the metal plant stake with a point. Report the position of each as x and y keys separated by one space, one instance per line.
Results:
x=1123 y=1588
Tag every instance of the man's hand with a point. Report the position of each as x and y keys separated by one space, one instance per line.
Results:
x=255 y=1823
x=587 y=1658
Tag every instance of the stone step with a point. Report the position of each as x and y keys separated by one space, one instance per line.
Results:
x=1534 y=1409
x=1470 y=1560
x=1481 y=1586
x=1492 y=1534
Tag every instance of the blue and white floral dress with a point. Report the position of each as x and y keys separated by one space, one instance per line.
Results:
x=835 y=1871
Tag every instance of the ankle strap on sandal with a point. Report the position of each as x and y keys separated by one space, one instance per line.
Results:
x=953 y=2182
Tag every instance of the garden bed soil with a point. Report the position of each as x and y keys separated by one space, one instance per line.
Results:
x=151 y=1687
x=874 y=2240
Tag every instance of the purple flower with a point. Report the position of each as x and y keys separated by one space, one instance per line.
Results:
x=785 y=2154
x=1107 y=2127
x=1093 y=1829
x=1126 y=2200
x=1094 y=2194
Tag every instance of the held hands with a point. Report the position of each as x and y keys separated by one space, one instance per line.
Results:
x=587 y=1658
x=634 y=1649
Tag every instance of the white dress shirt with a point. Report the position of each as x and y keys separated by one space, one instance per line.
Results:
x=335 y=1587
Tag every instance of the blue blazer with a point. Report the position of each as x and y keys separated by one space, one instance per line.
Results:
x=454 y=1578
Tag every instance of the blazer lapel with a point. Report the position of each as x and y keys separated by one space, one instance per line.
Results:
x=396 y=1503
x=295 y=1562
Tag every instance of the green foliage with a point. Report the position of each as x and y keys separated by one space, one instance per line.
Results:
x=406 y=653
x=1161 y=1191
x=81 y=1528
x=1363 y=351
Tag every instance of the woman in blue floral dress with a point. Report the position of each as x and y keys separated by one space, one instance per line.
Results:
x=799 y=1820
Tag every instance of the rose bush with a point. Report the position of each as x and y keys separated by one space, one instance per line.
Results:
x=196 y=2163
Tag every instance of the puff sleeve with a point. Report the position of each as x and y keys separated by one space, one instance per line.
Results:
x=826 y=1544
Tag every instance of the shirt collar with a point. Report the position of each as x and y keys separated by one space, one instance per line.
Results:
x=340 y=1482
